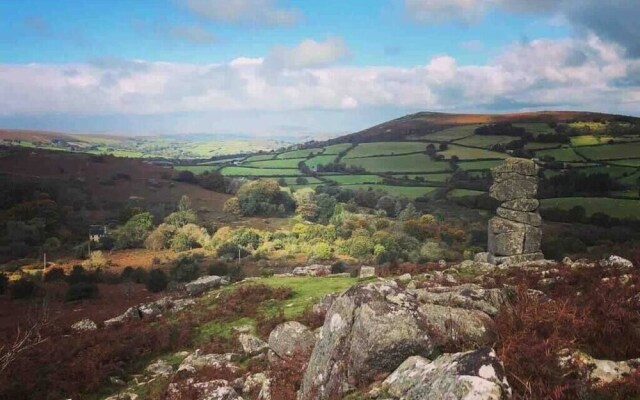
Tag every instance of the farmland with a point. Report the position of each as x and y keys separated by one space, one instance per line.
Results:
x=385 y=149
x=618 y=208
x=412 y=163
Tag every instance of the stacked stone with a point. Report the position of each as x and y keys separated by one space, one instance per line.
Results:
x=515 y=233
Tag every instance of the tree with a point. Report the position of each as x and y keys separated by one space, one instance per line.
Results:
x=186 y=176
x=408 y=213
x=135 y=231
x=264 y=197
x=185 y=203
x=387 y=204
x=307 y=207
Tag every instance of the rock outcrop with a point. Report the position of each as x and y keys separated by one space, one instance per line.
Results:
x=151 y=310
x=291 y=338
x=202 y=284
x=312 y=270
x=515 y=233
x=470 y=375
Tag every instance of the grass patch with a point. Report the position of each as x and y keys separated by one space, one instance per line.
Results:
x=322 y=159
x=286 y=163
x=242 y=171
x=411 y=163
x=589 y=140
x=300 y=153
x=535 y=128
x=354 y=179
x=561 y=154
x=261 y=157
x=467 y=153
x=385 y=149
x=618 y=208
x=611 y=151
x=450 y=134
x=478 y=165
x=440 y=178
x=336 y=149
x=633 y=162
x=196 y=169
x=485 y=141
x=457 y=193
x=410 y=192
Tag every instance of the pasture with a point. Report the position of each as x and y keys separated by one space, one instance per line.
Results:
x=618 y=208
x=336 y=148
x=300 y=153
x=385 y=149
x=411 y=163
x=566 y=154
x=273 y=172
x=468 y=153
x=478 y=165
x=320 y=160
x=484 y=141
x=410 y=192
x=611 y=151
x=354 y=179
x=426 y=177
x=451 y=134
x=458 y=193
x=277 y=163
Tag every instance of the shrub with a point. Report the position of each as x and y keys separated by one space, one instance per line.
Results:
x=264 y=197
x=185 y=270
x=431 y=251
x=80 y=291
x=135 y=231
x=360 y=247
x=159 y=238
x=78 y=274
x=232 y=206
x=97 y=260
x=140 y=275
x=157 y=281
x=127 y=274
x=322 y=251
x=4 y=281
x=229 y=250
x=54 y=274
x=22 y=288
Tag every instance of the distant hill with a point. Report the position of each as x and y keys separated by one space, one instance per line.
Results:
x=423 y=123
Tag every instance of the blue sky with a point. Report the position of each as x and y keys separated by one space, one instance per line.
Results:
x=271 y=67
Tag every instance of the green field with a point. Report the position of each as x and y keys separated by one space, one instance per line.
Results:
x=484 y=140
x=242 y=171
x=412 y=163
x=613 y=171
x=618 y=208
x=541 y=146
x=336 y=148
x=405 y=191
x=427 y=177
x=468 y=153
x=457 y=193
x=196 y=169
x=310 y=180
x=633 y=162
x=300 y=153
x=385 y=149
x=630 y=194
x=478 y=165
x=448 y=135
x=535 y=127
x=286 y=163
x=260 y=157
x=589 y=140
x=562 y=154
x=611 y=151
x=320 y=160
x=354 y=179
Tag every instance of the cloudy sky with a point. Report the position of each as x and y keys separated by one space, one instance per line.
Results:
x=285 y=67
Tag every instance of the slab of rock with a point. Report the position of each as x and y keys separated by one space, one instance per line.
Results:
x=601 y=372
x=367 y=272
x=218 y=389
x=404 y=278
x=471 y=375
x=369 y=330
x=616 y=262
x=202 y=284
x=468 y=296
x=514 y=187
x=312 y=270
x=524 y=217
x=526 y=205
x=159 y=368
x=323 y=305
x=84 y=325
x=506 y=237
x=150 y=310
x=457 y=327
x=196 y=361
x=252 y=345
x=291 y=338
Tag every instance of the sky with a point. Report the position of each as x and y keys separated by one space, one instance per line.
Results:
x=297 y=68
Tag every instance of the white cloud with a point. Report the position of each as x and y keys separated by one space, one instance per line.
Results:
x=438 y=11
x=309 y=53
x=571 y=73
x=192 y=33
x=472 y=45
x=243 y=11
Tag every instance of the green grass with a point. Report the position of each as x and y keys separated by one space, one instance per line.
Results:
x=308 y=185
x=310 y=180
x=478 y=165
x=457 y=193
x=484 y=140
x=451 y=134
x=336 y=148
x=618 y=208
x=631 y=180
x=535 y=127
x=196 y=169
x=317 y=160
x=300 y=153
x=633 y=162
x=540 y=146
x=611 y=151
x=589 y=140
x=561 y=154
x=631 y=194
x=385 y=149
x=241 y=171
x=411 y=163
x=427 y=177
x=354 y=179
x=613 y=171
x=260 y=157
x=407 y=191
x=286 y=163
x=467 y=153
x=589 y=125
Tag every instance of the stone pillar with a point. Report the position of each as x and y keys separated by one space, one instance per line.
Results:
x=515 y=233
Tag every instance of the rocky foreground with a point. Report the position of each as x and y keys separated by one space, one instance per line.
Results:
x=428 y=336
